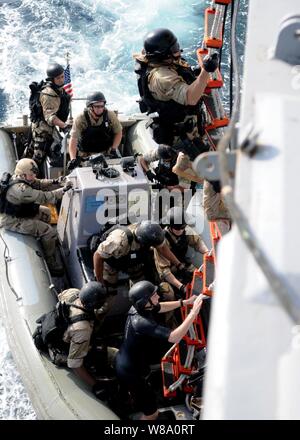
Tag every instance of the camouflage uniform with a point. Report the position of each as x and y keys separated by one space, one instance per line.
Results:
x=44 y=132
x=38 y=192
x=165 y=84
x=80 y=124
x=195 y=241
x=215 y=208
x=78 y=335
x=116 y=245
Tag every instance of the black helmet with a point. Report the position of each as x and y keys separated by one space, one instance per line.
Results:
x=149 y=234
x=54 y=70
x=166 y=152
x=92 y=295
x=95 y=97
x=140 y=293
x=160 y=43
x=176 y=218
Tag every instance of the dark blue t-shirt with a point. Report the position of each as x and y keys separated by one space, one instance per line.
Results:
x=140 y=333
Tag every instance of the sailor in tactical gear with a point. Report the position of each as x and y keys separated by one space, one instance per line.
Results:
x=179 y=237
x=50 y=108
x=83 y=302
x=168 y=86
x=127 y=249
x=166 y=158
x=21 y=211
x=142 y=331
x=215 y=207
x=96 y=130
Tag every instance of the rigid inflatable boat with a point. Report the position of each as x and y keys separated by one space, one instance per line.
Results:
x=27 y=289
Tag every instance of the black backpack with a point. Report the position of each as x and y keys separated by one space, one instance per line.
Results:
x=4 y=185
x=35 y=107
x=52 y=326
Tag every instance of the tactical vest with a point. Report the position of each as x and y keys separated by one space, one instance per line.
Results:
x=165 y=174
x=170 y=112
x=180 y=246
x=52 y=325
x=133 y=258
x=23 y=210
x=95 y=139
x=64 y=107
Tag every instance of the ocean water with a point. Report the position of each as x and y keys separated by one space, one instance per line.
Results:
x=101 y=36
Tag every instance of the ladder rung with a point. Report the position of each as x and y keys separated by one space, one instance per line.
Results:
x=197 y=284
x=217 y=123
x=211 y=41
x=208 y=270
x=222 y=2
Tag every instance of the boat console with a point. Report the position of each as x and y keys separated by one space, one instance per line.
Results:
x=108 y=190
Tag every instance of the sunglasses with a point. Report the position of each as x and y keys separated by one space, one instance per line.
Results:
x=175 y=48
x=99 y=106
x=178 y=227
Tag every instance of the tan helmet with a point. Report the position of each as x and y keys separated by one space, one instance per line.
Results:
x=26 y=166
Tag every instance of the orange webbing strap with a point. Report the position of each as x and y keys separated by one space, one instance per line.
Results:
x=213 y=138
x=172 y=364
x=215 y=236
x=54 y=214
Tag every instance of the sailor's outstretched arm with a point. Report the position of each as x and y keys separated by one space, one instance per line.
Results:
x=164 y=250
x=98 y=266
x=196 y=89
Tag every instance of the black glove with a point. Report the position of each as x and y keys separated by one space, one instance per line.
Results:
x=211 y=62
x=68 y=185
x=189 y=125
x=184 y=275
x=182 y=290
x=73 y=163
x=115 y=153
x=59 y=181
x=151 y=176
x=99 y=391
